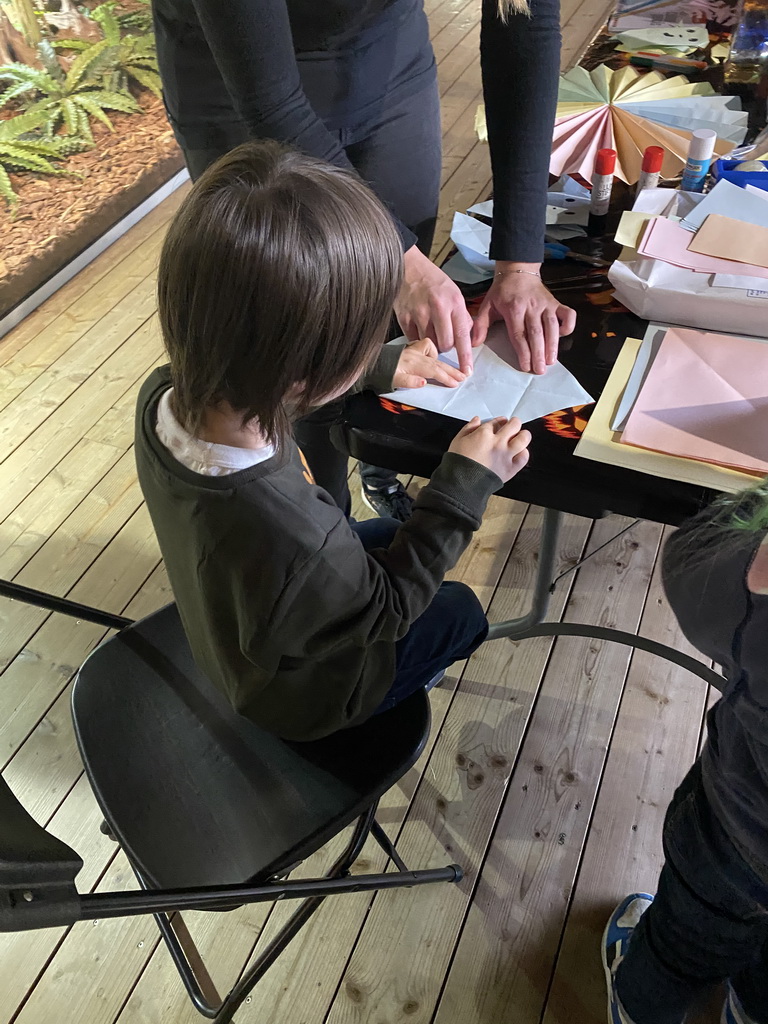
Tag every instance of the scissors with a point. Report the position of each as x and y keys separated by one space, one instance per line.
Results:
x=558 y=251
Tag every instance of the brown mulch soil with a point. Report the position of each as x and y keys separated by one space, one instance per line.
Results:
x=58 y=217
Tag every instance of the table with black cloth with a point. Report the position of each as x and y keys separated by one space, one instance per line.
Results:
x=412 y=441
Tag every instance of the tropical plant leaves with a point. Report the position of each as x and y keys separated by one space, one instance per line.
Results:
x=21 y=150
x=60 y=105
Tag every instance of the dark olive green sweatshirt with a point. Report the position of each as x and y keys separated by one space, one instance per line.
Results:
x=284 y=610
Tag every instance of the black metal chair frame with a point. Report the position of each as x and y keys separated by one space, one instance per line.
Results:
x=163 y=903
x=53 y=900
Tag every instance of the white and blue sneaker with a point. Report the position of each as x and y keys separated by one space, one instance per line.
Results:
x=618 y=932
x=733 y=1011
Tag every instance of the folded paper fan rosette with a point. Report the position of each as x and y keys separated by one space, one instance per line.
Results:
x=629 y=111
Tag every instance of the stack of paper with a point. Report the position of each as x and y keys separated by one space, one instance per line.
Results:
x=497 y=387
x=698 y=261
x=687 y=405
x=726 y=234
x=629 y=111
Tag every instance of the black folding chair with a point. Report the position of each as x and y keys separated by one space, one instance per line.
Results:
x=212 y=812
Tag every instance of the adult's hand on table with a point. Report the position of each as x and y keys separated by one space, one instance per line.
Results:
x=535 y=319
x=419 y=363
x=430 y=305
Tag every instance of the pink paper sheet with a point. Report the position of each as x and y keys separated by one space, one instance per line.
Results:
x=705 y=398
x=665 y=240
x=576 y=140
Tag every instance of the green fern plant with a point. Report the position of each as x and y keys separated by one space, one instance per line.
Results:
x=137 y=21
x=22 y=148
x=121 y=57
x=68 y=99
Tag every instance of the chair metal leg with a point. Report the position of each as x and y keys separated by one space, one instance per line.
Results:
x=52 y=603
x=188 y=961
x=185 y=955
x=295 y=923
x=387 y=846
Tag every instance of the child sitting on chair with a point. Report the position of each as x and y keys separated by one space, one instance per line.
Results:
x=275 y=290
x=709 y=922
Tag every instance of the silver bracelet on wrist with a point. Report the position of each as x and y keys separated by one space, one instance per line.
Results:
x=533 y=273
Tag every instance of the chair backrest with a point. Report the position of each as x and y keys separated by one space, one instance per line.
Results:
x=37 y=871
x=198 y=795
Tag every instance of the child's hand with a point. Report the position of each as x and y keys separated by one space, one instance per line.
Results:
x=419 y=363
x=499 y=445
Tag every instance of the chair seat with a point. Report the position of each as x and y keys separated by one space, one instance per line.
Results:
x=196 y=794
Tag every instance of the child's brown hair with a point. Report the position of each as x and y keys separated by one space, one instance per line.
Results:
x=277 y=270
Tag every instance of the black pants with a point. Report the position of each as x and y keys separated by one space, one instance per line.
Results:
x=450 y=629
x=708 y=923
x=399 y=154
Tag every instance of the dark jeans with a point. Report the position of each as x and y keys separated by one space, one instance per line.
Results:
x=709 y=921
x=451 y=629
x=399 y=154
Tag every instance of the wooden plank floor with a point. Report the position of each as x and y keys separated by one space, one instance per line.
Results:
x=548 y=767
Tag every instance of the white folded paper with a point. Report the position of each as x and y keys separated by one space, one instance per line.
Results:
x=497 y=387
x=473 y=240
x=463 y=272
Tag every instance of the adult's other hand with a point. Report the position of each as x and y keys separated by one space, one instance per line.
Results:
x=534 y=318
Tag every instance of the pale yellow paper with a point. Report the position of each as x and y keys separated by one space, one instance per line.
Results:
x=731 y=239
x=623 y=80
x=631 y=227
x=601 y=444
x=603 y=80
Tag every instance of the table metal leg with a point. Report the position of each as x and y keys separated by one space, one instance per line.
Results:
x=532 y=624
x=542 y=585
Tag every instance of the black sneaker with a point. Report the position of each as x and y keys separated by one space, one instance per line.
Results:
x=392 y=501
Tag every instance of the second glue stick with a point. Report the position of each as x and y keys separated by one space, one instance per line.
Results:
x=653 y=158
x=700 y=153
x=602 y=185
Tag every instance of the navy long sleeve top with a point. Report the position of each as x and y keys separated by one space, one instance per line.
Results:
x=242 y=61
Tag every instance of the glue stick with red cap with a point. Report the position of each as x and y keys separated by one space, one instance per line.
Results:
x=602 y=184
x=653 y=158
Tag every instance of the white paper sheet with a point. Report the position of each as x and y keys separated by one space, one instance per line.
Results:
x=463 y=272
x=566 y=187
x=483 y=209
x=572 y=213
x=754 y=286
x=565 y=218
x=761 y=193
x=566 y=193
x=729 y=200
x=473 y=239
x=497 y=387
x=671 y=37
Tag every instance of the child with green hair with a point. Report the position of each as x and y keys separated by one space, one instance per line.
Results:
x=708 y=923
